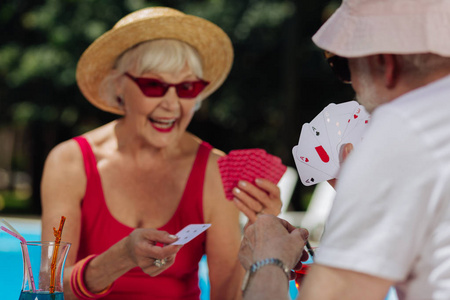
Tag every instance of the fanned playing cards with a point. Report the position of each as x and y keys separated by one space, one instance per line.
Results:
x=248 y=164
x=318 y=153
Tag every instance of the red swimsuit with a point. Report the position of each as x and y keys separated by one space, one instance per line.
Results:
x=100 y=230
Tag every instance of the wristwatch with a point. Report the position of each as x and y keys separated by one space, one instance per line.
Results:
x=259 y=264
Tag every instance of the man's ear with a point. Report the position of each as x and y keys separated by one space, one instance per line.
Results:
x=391 y=68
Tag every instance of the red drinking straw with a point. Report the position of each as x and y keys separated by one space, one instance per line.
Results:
x=57 y=234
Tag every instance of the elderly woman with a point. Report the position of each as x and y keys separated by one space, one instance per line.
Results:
x=127 y=187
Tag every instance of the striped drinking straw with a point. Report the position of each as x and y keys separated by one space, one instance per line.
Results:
x=12 y=231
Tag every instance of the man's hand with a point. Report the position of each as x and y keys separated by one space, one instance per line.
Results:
x=345 y=151
x=271 y=237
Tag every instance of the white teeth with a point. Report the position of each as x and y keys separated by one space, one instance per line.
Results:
x=160 y=125
x=163 y=123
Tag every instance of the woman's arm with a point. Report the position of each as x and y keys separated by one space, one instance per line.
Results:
x=222 y=238
x=62 y=189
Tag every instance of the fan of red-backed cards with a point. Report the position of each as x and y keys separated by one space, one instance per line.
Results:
x=249 y=164
x=317 y=155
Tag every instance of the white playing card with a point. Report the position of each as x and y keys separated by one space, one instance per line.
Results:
x=359 y=113
x=313 y=154
x=319 y=130
x=189 y=232
x=308 y=175
x=341 y=108
x=356 y=134
x=337 y=117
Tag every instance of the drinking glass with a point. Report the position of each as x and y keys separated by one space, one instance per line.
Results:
x=43 y=270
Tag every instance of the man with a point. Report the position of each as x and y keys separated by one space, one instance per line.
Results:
x=390 y=221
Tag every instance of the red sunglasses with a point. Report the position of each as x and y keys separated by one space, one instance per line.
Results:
x=339 y=65
x=151 y=87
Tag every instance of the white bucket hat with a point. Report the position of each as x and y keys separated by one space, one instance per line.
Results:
x=367 y=27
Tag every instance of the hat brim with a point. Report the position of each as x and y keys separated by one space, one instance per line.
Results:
x=383 y=27
x=212 y=43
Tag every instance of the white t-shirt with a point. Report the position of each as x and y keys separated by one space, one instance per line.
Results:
x=391 y=215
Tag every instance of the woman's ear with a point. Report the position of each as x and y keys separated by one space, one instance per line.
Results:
x=117 y=81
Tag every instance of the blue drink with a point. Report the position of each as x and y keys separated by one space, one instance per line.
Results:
x=27 y=295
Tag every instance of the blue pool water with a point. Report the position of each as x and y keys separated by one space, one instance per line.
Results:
x=11 y=266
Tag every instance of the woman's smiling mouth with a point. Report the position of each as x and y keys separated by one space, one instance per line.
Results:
x=163 y=125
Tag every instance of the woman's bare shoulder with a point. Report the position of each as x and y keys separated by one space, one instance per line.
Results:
x=217 y=153
x=102 y=140
x=63 y=175
x=66 y=158
x=67 y=152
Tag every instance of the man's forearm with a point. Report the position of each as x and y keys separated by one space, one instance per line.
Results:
x=269 y=282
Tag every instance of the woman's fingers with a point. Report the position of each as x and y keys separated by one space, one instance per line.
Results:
x=264 y=197
x=156 y=236
x=146 y=247
x=243 y=194
x=160 y=265
x=249 y=213
x=267 y=185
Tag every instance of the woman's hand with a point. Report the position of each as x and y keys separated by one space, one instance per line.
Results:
x=253 y=200
x=144 y=252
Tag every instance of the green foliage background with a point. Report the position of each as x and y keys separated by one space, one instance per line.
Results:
x=279 y=79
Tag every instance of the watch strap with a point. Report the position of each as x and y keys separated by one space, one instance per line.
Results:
x=261 y=263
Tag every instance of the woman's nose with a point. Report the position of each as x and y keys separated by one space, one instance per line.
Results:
x=170 y=99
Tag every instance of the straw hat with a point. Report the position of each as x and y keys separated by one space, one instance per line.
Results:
x=367 y=27
x=212 y=43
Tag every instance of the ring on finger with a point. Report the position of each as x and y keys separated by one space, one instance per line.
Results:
x=160 y=262
x=261 y=211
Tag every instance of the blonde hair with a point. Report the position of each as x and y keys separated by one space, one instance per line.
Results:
x=157 y=56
